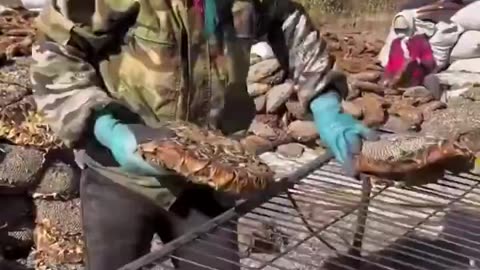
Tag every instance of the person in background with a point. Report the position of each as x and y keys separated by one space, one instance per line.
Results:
x=411 y=61
x=107 y=74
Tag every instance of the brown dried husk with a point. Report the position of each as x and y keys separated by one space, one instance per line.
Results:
x=207 y=157
x=413 y=158
x=58 y=233
x=22 y=125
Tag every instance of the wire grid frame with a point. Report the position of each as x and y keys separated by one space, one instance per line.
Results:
x=330 y=221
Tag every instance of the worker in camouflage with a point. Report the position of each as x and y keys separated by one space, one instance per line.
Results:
x=107 y=73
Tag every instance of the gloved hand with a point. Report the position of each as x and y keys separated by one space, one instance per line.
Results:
x=341 y=132
x=121 y=140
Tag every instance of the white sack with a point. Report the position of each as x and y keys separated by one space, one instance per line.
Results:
x=468 y=65
x=34 y=5
x=443 y=41
x=468 y=17
x=263 y=50
x=468 y=46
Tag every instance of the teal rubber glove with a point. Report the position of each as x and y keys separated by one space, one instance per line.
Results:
x=341 y=133
x=122 y=142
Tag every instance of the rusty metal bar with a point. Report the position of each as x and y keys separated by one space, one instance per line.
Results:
x=243 y=207
x=405 y=214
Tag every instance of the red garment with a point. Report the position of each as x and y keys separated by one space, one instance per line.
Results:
x=198 y=6
x=409 y=68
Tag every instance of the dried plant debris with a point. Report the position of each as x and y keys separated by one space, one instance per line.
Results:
x=19 y=168
x=206 y=157
x=58 y=181
x=404 y=157
x=58 y=233
x=353 y=52
x=16 y=33
x=16 y=223
x=460 y=118
x=21 y=124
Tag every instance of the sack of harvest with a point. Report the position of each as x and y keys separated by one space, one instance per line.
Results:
x=207 y=157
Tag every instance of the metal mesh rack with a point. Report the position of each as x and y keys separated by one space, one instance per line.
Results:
x=330 y=221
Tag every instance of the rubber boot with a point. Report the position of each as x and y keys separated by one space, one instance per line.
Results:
x=217 y=249
x=118 y=224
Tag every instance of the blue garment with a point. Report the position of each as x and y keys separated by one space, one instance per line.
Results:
x=210 y=17
x=121 y=141
x=341 y=132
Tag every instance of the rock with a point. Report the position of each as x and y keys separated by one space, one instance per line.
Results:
x=471 y=140
x=417 y=92
x=16 y=222
x=291 y=150
x=369 y=87
x=19 y=168
x=458 y=79
x=352 y=109
x=368 y=76
x=295 y=109
x=428 y=108
x=58 y=234
x=397 y=124
x=392 y=99
x=262 y=129
x=393 y=92
x=257 y=89
x=278 y=95
x=420 y=94
x=407 y=112
x=267 y=71
x=303 y=131
x=460 y=117
x=372 y=109
x=353 y=92
x=453 y=93
x=424 y=100
x=271 y=120
x=260 y=103
x=473 y=94
x=253 y=143
x=59 y=179
x=284 y=121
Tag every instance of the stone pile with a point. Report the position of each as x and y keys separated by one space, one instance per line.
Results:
x=279 y=113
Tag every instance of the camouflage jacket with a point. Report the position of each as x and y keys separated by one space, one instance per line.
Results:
x=150 y=57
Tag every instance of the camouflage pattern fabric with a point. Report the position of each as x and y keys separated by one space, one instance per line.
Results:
x=150 y=57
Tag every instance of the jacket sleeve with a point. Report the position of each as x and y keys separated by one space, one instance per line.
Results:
x=65 y=83
x=300 y=48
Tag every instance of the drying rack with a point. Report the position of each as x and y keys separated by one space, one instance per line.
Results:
x=327 y=220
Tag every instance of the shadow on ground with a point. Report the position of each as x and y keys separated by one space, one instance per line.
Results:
x=455 y=249
x=9 y=265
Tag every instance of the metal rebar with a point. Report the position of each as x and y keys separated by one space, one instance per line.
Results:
x=243 y=207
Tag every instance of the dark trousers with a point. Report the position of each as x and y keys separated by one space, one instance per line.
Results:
x=119 y=225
